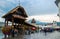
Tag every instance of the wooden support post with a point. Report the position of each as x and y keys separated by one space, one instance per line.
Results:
x=18 y=24
x=12 y=21
x=5 y=26
x=5 y=22
x=13 y=26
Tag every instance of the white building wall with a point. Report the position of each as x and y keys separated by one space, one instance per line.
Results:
x=54 y=23
x=59 y=10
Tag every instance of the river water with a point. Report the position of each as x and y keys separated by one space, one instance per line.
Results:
x=39 y=35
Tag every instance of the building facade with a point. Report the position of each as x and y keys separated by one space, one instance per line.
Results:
x=57 y=2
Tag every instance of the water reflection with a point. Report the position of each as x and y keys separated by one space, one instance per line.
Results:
x=40 y=35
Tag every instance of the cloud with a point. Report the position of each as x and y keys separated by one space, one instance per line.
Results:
x=12 y=1
x=32 y=7
x=1 y=14
x=37 y=7
x=6 y=5
x=16 y=1
x=2 y=20
x=45 y=18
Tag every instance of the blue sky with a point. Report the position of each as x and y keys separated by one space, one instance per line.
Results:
x=32 y=7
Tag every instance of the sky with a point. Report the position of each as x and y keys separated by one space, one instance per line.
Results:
x=34 y=8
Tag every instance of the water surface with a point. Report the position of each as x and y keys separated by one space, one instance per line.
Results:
x=40 y=35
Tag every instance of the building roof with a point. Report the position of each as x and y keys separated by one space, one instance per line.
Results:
x=56 y=2
x=18 y=8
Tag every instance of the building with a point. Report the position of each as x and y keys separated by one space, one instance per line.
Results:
x=57 y=2
x=54 y=23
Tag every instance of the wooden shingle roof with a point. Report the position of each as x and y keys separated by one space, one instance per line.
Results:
x=15 y=10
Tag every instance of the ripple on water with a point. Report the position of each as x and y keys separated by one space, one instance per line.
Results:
x=40 y=35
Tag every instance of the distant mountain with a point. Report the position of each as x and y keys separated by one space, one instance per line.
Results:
x=43 y=23
x=38 y=22
x=1 y=23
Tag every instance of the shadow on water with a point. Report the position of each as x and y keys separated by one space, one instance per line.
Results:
x=45 y=33
x=20 y=37
x=32 y=36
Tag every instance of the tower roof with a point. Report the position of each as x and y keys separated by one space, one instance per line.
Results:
x=33 y=21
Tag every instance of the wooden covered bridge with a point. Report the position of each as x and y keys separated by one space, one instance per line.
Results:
x=17 y=17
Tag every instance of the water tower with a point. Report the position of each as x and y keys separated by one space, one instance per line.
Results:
x=57 y=2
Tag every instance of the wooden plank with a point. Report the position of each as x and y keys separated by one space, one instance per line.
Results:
x=19 y=17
